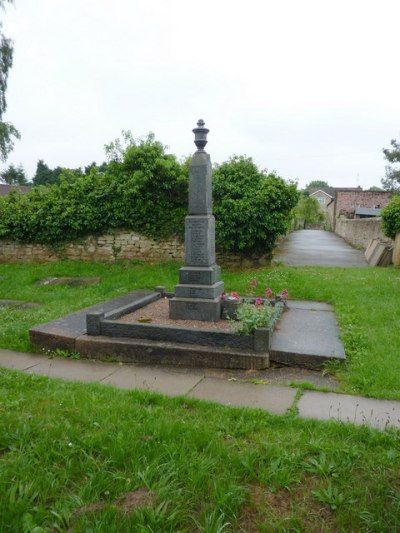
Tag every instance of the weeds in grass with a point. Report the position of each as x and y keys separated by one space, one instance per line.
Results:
x=64 y=353
x=85 y=457
x=329 y=495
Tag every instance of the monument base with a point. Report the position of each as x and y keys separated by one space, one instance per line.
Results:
x=192 y=275
x=209 y=292
x=208 y=310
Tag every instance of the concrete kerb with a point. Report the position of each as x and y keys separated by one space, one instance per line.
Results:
x=375 y=413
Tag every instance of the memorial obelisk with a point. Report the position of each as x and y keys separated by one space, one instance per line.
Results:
x=198 y=293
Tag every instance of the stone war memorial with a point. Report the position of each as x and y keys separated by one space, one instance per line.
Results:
x=198 y=294
x=193 y=326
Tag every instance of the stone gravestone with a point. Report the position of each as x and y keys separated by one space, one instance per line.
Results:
x=197 y=296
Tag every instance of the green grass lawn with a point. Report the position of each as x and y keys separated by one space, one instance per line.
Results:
x=90 y=458
x=366 y=301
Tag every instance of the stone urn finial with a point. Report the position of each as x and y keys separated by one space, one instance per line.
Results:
x=200 y=135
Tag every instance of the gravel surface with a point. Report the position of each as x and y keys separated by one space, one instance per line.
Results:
x=158 y=313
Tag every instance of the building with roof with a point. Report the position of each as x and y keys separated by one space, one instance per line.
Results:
x=6 y=189
x=350 y=202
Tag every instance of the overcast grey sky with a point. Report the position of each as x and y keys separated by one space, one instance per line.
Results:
x=308 y=88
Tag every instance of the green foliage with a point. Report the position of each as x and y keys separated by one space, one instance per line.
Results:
x=315 y=184
x=391 y=218
x=14 y=175
x=145 y=191
x=250 y=316
x=392 y=180
x=308 y=210
x=154 y=187
x=7 y=130
x=47 y=176
x=251 y=208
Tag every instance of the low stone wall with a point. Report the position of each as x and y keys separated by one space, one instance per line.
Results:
x=359 y=231
x=109 y=248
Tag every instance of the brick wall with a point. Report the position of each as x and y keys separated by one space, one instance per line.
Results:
x=348 y=201
x=360 y=231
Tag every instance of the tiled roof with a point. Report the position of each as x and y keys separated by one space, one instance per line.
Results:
x=5 y=189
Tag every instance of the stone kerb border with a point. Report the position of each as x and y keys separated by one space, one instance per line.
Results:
x=107 y=325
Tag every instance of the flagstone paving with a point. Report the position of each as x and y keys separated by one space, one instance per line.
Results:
x=218 y=388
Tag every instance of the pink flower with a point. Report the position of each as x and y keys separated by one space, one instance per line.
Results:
x=268 y=293
x=235 y=295
x=253 y=282
x=284 y=294
x=259 y=301
x=223 y=295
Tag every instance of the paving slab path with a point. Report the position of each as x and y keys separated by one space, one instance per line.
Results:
x=198 y=383
x=310 y=247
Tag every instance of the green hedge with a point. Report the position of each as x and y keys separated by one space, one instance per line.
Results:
x=252 y=208
x=146 y=190
x=391 y=218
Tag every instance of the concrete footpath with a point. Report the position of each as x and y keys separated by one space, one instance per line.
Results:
x=201 y=384
x=318 y=248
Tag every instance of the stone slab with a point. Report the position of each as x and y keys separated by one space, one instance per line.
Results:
x=274 y=399
x=162 y=381
x=62 y=332
x=379 y=414
x=18 y=304
x=199 y=240
x=199 y=275
x=144 y=351
x=19 y=361
x=306 y=337
x=200 y=291
x=195 y=309
x=73 y=370
x=69 y=281
x=309 y=305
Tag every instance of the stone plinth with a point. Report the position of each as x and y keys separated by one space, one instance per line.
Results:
x=197 y=295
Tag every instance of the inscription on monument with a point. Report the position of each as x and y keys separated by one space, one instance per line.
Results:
x=196 y=248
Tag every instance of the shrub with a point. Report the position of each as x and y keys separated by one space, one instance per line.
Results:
x=252 y=208
x=144 y=190
x=391 y=218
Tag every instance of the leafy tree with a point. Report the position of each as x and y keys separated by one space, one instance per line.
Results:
x=13 y=175
x=88 y=168
x=391 y=218
x=316 y=184
x=308 y=210
x=252 y=208
x=47 y=176
x=374 y=188
x=43 y=175
x=392 y=180
x=7 y=130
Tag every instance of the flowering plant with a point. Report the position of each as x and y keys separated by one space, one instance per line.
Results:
x=254 y=312
x=259 y=315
